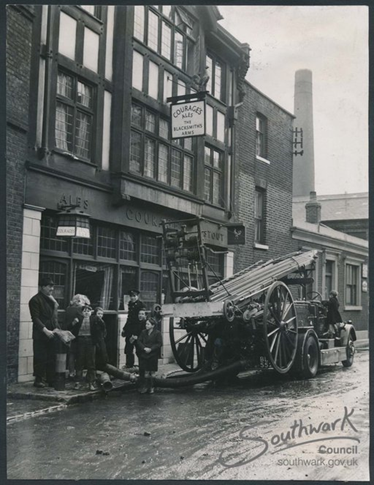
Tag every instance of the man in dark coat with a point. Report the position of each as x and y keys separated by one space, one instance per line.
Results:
x=133 y=325
x=43 y=309
x=333 y=315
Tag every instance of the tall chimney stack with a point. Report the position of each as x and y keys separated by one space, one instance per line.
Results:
x=303 y=165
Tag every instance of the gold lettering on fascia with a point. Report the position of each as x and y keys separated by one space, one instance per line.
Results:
x=74 y=201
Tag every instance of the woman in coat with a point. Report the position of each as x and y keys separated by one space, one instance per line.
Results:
x=148 y=345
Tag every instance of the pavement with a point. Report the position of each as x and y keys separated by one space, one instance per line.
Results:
x=25 y=401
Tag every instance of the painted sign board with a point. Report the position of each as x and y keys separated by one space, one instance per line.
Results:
x=187 y=119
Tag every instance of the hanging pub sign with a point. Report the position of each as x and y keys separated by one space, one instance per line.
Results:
x=235 y=234
x=187 y=114
x=73 y=223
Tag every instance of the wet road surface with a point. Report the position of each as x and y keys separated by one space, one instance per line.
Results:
x=261 y=428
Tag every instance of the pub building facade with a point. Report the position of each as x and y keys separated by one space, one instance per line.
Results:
x=99 y=143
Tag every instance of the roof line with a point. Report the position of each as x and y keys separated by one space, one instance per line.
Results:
x=272 y=100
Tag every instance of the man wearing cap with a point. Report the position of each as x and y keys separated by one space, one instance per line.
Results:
x=333 y=314
x=43 y=309
x=132 y=326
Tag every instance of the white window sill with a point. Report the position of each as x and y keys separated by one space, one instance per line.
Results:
x=261 y=246
x=351 y=308
x=262 y=159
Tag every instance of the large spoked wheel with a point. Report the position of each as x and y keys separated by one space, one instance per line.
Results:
x=188 y=343
x=280 y=327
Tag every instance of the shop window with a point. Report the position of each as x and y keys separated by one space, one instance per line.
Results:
x=213 y=176
x=48 y=238
x=259 y=215
x=74 y=116
x=216 y=72
x=261 y=136
x=96 y=282
x=106 y=242
x=57 y=272
x=150 y=250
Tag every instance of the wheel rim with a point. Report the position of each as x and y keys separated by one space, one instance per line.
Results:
x=280 y=327
x=229 y=311
x=312 y=357
x=350 y=350
x=188 y=345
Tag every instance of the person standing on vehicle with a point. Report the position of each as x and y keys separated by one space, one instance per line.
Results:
x=43 y=309
x=333 y=315
x=132 y=326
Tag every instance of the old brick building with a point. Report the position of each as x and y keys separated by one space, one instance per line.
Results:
x=263 y=175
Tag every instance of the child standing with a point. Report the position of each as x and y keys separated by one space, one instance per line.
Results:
x=148 y=345
x=98 y=334
x=73 y=316
x=85 y=350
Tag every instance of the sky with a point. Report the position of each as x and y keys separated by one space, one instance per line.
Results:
x=331 y=41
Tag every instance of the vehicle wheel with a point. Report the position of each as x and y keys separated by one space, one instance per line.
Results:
x=310 y=358
x=189 y=348
x=350 y=349
x=280 y=327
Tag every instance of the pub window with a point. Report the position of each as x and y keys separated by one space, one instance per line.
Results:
x=150 y=250
x=139 y=22
x=67 y=35
x=57 y=272
x=137 y=70
x=153 y=155
x=96 y=282
x=215 y=266
x=128 y=281
x=153 y=80
x=216 y=72
x=127 y=246
x=261 y=136
x=149 y=287
x=213 y=176
x=83 y=245
x=106 y=242
x=169 y=33
x=74 y=115
x=259 y=216
x=352 y=282
x=48 y=238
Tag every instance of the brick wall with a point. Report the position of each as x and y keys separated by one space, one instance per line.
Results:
x=275 y=177
x=18 y=55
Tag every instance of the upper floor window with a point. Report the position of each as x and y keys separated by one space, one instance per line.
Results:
x=261 y=136
x=153 y=155
x=259 y=213
x=215 y=70
x=169 y=32
x=74 y=115
x=213 y=176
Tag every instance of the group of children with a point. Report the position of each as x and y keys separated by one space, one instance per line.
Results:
x=88 y=350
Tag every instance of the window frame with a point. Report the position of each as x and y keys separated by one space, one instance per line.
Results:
x=261 y=138
x=212 y=72
x=357 y=264
x=218 y=170
x=172 y=146
x=259 y=219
